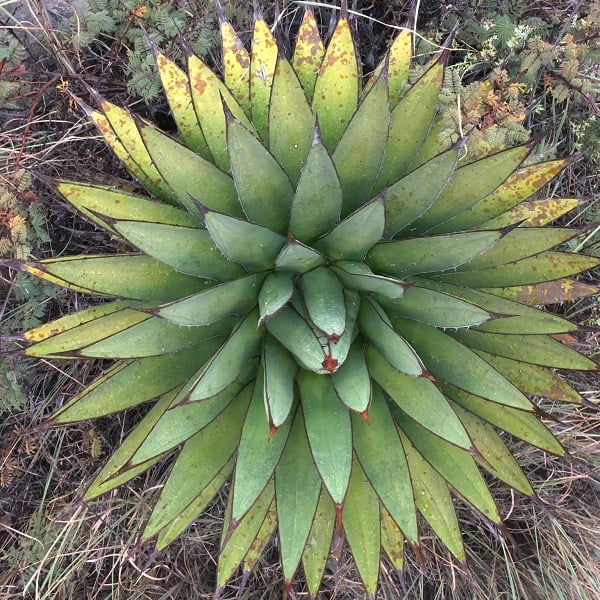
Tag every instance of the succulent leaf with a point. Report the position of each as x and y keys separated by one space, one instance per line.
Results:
x=387 y=471
x=433 y=499
x=331 y=310
x=362 y=527
x=297 y=489
x=251 y=475
x=329 y=432
x=337 y=85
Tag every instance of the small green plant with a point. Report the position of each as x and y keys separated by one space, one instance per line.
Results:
x=22 y=228
x=531 y=60
x=330 y=308
x=13 y=84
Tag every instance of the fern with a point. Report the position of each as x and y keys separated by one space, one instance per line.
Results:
x=504 y=29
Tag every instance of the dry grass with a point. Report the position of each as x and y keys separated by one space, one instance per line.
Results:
x=51 y=547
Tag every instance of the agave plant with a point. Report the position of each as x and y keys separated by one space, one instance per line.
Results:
x=330 y=310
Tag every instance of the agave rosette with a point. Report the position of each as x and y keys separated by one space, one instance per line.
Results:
x=330 y=309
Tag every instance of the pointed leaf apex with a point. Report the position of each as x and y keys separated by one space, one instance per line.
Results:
x=256 y=11
x=385 y=70
x=446 y=47
x=344 y=10
x=186 y=47
x=220 y=12
x=98 y=99
x=204 y=210
x=365 y=416
x=218 y=591
x=272 y=429
x=339 y=508
x=330 y=364
x=151 y=43
x=317 y=134
x=86 y=108
x=229 y=116
x=428 y=375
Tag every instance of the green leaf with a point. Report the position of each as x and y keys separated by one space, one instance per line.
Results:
x=352 y=382
x=536 y=349
x=338 y=352
x=542 y=267
x=408 y=198
x=522 y=424
x=297 y=489
x=146 y=278
x=445 y=357
x=310 y=217
x=356 y=234
x=125 y=334
x=419 y=399
x=72 y=321
x=513 y=317
x=280 y=371
x=229 y=361
x=231 y=298
x=316 y=551
x=188 y=250
x=454 y=464
x=429 y=254
x=436 y=308
x=210 y=96
x=115 y=472
x=265 y=191
x=201 y=459
x=495 y=456
x=263 y=60
x=368 y=130
x=291 y=121
x=324 y=298
x=433 y=499
x=468 y=185
x=518 y=244
x=189 y=175
x=375 y=325
x=194 y=509
x=361 y=525
x=248 y=244
x=336 y=88
x=275 y=293
x=409 y=124
x=295 y=334
x=183 y=420
x=129 y=383
x=358 y=277
x=329 y=432
x=252 y=475
x=241 y=535
x=533 y=379
x=381 y=455
x=298 y=258
x=103 y=205
x=308 y=52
